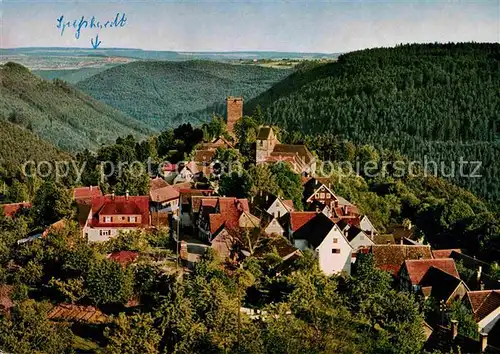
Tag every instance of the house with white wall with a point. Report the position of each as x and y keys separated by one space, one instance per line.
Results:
x=110 y=215
x=321 y=235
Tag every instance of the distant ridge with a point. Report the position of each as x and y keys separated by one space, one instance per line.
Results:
x=59 y=113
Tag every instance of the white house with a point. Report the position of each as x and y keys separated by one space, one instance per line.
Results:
x=321 y=235
x=274 y=228
x=366 y=225
x=357 y=238
x=279 y=207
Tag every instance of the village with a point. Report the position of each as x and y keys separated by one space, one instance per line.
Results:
x=329 y=226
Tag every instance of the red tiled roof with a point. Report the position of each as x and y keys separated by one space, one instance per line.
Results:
x=12 y=209
x=183 y=185
x=6 y=302
x=169 y=167
x=300 y=218
x=77 y=313
x=120 y=205
x=391 y=257
x=209 y=202
x=483 y=302
x=123 y=257
x=230 y=210
x=418 y=267
x=289 y=204
x=161 y=191
x=157 y=183
x=86 y=193
x=445 y=253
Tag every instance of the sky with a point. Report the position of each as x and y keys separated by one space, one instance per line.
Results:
x=250 y=25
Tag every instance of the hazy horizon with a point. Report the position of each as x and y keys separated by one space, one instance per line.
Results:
x=305 y=26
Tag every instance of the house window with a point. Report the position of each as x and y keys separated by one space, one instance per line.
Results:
x=108 y=219
x=328 y=195
x=361 y=237
x=132 y=219
x=104 y=232
x=335 y=240
x=335 y=250
x=322 y=196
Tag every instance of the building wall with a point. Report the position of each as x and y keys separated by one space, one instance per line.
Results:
x=234 y=111
x=274 y=227
x=277 y=209
x=487 y=323
x=332 y=263
x=366 y=225
x=94 y=234
x=361 y=240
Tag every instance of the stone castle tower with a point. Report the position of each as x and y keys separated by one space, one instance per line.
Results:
x=234 y=112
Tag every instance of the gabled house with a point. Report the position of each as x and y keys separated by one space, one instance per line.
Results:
x=164 y=197
x=366 y=225
x=357 y=238
x=321 y=235
x=110 y=215
x=186 y=196
x=485 y=305
x=272 y=226
x=223 y=212
x=390 y=258
x=276 y=206
x=295 y=220
x=413 y=271
x=442 y=286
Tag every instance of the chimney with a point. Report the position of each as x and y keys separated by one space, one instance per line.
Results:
x=481 y=286
x=484 y=341
x=90 y=187
x=113 y=195
x=126 y=194
x=454 y=329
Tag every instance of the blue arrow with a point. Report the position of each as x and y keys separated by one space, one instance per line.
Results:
x=96 y=43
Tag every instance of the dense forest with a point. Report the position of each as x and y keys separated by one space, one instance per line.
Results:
x=19 y=145
x=439 y=101
x=59 y=113
x=163 y=94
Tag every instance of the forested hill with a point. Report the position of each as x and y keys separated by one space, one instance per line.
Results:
x=164 y=94
x=58 y=113
x=18 y=145
x=436 y=100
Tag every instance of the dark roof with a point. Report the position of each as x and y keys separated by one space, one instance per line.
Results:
x=281 y=244
x=315 y=230
x=264 y=133
x=442 y=283
x=352 y=232
x=384 y=239
x=391 y=257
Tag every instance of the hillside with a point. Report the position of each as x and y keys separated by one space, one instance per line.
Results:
x=70 y=75
x=439 y=102
x=156 y=92
x=59 y=113
x=18 y=145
